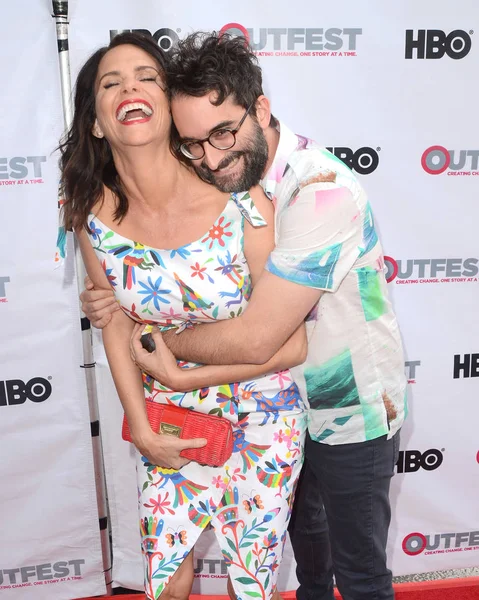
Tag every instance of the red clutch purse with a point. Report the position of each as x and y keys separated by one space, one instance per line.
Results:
x=188 y=424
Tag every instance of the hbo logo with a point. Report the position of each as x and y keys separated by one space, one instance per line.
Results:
x=363 y=161
x=15 y=391
x=166 y=38
x=410 y=461
x=434 y=43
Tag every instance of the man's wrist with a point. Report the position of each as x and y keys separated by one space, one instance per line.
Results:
x=169 y=337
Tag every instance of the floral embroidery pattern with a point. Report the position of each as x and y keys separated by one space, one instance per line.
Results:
x=217 y=233
x=248 y=500
x=153 y=293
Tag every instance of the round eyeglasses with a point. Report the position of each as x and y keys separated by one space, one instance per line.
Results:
x=221 y=139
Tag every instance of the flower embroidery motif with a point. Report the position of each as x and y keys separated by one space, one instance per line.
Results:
x=271 y=540
x=109 y=274
x=236 y=475
x=227 y=398
x=153 y=293
x=279 y=436
x=290 y=437
x=282 y=377
x=197 y=270
x=160 y=505
x=95 y=231
x=182 y=252
x=216 y=234
x=220 y=482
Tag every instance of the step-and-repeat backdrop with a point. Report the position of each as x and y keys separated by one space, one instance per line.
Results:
x=49 y=529
x=391 y=90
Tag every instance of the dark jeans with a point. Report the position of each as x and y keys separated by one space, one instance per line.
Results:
x=349 y=483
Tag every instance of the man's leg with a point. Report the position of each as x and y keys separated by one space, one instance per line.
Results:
x=354 y=480
x=308 y=530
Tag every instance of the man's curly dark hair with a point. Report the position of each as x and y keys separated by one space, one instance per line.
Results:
x=215 y=62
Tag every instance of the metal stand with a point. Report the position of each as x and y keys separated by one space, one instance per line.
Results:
x=60 y=14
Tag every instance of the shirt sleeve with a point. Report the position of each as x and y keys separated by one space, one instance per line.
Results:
x=319 y=237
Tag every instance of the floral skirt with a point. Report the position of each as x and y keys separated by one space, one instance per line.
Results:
x=247 y=502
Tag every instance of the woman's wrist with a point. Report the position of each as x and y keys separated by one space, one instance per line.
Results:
x=142 y=437
x=174 y=380
x=183 y=380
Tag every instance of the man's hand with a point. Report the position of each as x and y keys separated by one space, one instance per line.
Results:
x=98 y=305
x=164 y=450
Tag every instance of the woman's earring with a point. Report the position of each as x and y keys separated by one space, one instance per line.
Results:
x=96 y=131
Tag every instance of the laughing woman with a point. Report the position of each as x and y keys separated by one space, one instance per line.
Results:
x=178 y=253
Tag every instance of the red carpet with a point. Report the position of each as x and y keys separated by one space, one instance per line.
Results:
x=446 y=589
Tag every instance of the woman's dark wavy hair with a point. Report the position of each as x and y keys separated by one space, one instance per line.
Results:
x=215 y=62
x=86 y=162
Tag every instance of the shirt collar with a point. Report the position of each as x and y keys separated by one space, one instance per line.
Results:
x=288 y=142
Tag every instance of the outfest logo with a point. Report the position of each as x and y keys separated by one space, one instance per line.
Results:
x=210 y=568
x=436 y=160
x=43 y=574
x=21 y=170
x=431 y=270
x=298 y=41
x=3 y=291
x=440 y=543
x=411 y=367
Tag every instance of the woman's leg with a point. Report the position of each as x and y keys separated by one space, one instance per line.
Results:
x=179 y=586
x=251 y=520
x=171 y=522
x=231 y=592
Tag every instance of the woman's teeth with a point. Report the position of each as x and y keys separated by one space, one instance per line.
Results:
x=124 y=111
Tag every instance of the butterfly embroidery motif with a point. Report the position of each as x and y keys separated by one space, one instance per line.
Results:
x=177 y=537
x=253 y=503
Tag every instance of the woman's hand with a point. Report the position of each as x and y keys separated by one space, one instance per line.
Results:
x=161 y=363
x=164 y=450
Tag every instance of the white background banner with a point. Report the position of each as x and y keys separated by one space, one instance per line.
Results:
x=49 y=530
x=390 y=88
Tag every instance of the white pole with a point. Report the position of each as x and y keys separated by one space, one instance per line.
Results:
x=60 y=14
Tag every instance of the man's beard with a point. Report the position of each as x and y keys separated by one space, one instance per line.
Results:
x=255 y=157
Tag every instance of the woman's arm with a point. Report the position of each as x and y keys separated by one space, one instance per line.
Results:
x=161 y=364
x=160 y=449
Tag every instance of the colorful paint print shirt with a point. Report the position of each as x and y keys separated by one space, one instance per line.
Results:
x=354 y=375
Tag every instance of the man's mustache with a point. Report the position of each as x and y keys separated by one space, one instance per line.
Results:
x=224 y=163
